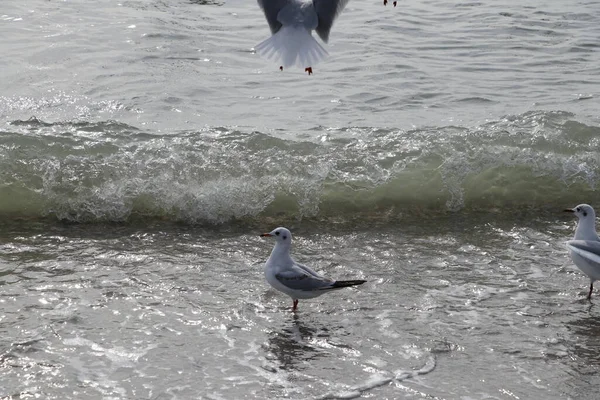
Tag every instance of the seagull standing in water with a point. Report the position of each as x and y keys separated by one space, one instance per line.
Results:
x=296 y=280
x=291 y=23
x=584 y=249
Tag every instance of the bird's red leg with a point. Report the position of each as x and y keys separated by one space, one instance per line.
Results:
x=385 y=2
x=591 y=289
x=309 y=70
x=295 y=306
x=281 y=67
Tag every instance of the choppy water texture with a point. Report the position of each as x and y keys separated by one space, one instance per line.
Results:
x=144 y=146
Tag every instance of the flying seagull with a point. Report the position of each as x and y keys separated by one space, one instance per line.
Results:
x=296 y=280
x=292 y=23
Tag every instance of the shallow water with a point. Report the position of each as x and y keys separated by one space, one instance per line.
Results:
x=176 y=311
x=144 y=146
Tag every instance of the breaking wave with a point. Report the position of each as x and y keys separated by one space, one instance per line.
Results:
x=108 y=171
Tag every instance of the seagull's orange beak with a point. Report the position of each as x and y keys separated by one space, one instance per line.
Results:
x=265 y=235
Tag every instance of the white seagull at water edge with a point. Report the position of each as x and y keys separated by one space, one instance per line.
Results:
x=296 y=280
x=584 y=249
x=291 y=23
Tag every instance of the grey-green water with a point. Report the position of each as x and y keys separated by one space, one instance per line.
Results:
x=144 y=147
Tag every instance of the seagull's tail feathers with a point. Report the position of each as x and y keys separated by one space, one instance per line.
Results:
x=343 y=284
x=292 y=46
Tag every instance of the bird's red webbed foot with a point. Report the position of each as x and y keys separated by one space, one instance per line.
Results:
x=309 y=70
x=295 y=306
x=281 y=67
x=385 y=2
x=395 y=2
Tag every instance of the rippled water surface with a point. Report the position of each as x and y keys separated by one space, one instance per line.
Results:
x=144 y=146
x=480 y=309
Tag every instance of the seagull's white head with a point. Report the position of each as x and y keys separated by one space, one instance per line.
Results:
x=281 y=235
x=583 y=212
x=586 y=228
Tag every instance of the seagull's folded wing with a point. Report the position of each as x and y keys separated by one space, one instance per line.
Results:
x=588 y=249
x=308 y=270
x=298 y=279
x=271 y=9
x=327 y=11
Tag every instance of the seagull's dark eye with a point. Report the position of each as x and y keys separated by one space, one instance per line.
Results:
x=277 y=233
x=584 y=214
x=284 y=237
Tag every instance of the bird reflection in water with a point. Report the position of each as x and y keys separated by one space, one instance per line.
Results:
x=291 y=345
x=587 y=332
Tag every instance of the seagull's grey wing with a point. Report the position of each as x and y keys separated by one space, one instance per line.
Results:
x=309 y=270
x=299 y=279
x=271 y=9
x=588 y=249
x=327 y=10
